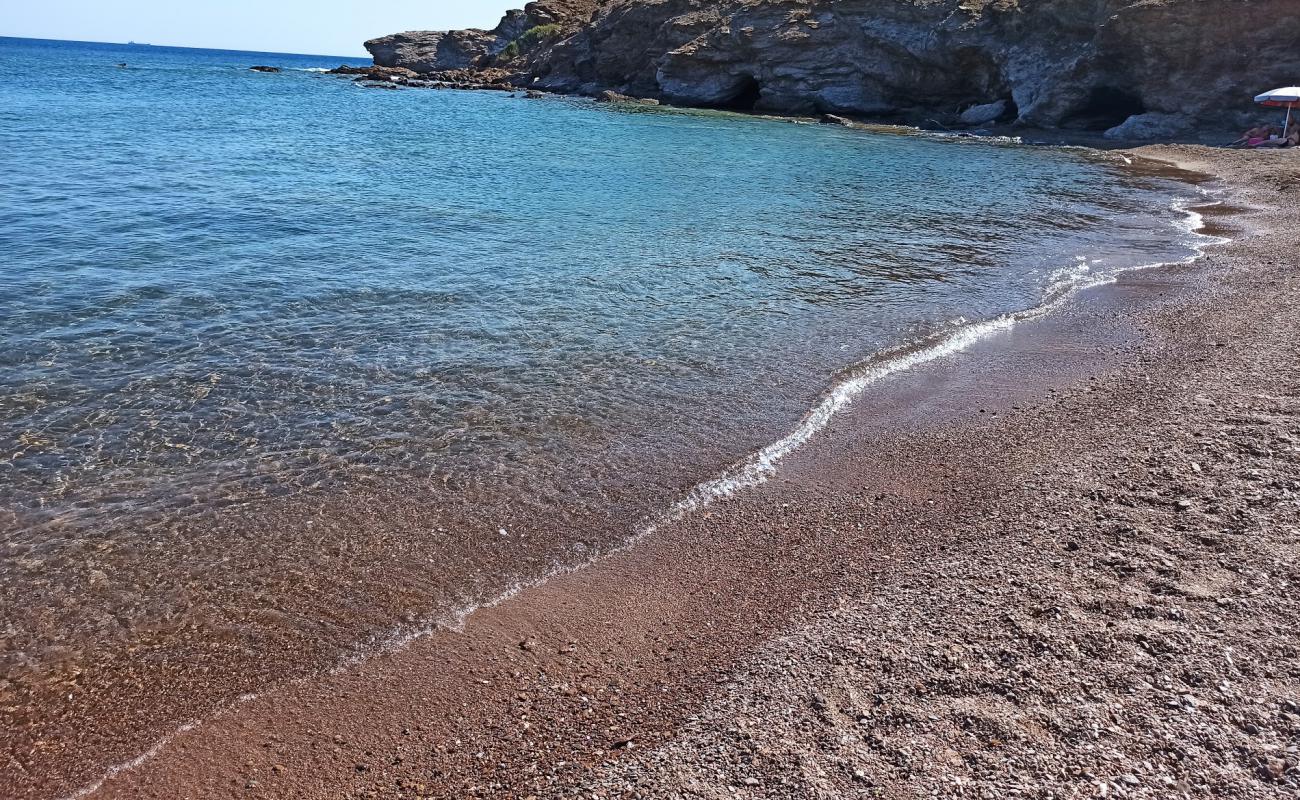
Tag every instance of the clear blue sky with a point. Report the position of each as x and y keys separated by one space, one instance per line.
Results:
x=318 y=27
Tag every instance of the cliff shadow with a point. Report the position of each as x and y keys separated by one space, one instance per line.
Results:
x=1103 y=108
x=745 y=96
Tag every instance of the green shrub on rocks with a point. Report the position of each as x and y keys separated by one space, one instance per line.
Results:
x=536 y=35
x=528 y=40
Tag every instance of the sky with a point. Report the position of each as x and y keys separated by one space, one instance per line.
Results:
x=316 y=27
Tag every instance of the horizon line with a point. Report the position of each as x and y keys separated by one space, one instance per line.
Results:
x=180 y=47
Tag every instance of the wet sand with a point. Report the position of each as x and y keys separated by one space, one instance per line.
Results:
x=1059 y=560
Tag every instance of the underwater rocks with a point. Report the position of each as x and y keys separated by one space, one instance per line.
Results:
x=615 y=97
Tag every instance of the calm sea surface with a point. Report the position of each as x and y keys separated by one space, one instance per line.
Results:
x=289 y=366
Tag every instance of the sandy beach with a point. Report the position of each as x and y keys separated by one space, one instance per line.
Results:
x=1058 y=564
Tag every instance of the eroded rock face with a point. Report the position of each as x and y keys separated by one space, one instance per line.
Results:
x=433 y=51
x=1074 y=63
x=1082 y=64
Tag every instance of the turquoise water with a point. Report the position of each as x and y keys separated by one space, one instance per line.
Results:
x=289 y=362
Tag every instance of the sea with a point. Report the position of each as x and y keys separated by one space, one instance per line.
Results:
x=294 y=369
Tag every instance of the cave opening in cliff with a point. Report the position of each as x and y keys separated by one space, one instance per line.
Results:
x=1012 y=111
x=1104 y=108
x=746 y=95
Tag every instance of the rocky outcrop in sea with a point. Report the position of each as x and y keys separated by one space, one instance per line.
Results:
x=1134 y=70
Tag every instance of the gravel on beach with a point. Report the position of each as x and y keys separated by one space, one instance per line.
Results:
x=1060 y=565
x=1123 y=621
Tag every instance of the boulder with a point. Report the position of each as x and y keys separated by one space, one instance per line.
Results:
x=1155 y=125
x=984 y=113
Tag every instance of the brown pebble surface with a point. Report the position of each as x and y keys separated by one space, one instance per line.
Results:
x=1060 y=564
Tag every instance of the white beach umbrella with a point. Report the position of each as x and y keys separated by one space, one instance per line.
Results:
x=1287 y=97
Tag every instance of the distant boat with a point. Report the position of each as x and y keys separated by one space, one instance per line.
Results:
x=139 y=44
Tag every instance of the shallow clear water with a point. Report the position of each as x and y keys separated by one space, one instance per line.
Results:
x=282 y=357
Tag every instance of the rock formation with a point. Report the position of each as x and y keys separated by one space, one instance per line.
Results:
x=1136 y=68
x=440 y=51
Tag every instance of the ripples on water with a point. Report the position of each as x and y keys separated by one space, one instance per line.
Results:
x=282 y=355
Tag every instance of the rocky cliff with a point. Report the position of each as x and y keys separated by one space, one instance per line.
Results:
x=1138 y=68
x=443 y=51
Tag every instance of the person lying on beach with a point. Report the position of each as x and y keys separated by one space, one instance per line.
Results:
x=1291 y=139
x=1257 y=134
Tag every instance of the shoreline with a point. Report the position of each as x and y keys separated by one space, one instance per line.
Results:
x=745 y=474
x=489 y=640
x=378 y=77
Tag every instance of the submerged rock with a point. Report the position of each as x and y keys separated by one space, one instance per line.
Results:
x=615 y=97
x=264 y=69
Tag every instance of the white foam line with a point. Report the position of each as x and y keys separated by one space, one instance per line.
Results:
x=751 y=471
x=125 y=766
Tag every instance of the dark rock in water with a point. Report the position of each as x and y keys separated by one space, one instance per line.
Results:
x=832 y=119
x=264 y=69
x=376 y=73
x=533 y=94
